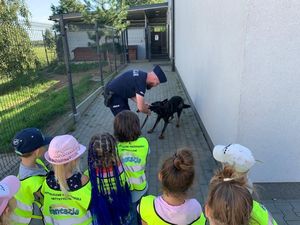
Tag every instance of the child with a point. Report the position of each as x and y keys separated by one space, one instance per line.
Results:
x=8 y=188
x=173 y=206
x=29 y=145
x=230 y=202
x=133 y=151
x=239 y=157
x=67 y=192
x=111 y=198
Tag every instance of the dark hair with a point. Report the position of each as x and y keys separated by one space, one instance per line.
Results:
x=177 y=173
x=229 y=200
x=127 y=126
x=111 y=198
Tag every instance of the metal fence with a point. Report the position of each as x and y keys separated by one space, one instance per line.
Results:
x=35 y=89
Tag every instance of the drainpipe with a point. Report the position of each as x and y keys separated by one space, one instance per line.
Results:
x=173 y=35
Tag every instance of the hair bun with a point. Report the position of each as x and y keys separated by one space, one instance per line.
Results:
x=183 y=160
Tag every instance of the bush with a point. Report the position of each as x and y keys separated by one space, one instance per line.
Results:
x=16 y=52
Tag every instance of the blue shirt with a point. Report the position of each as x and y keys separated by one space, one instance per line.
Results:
x=128 y=84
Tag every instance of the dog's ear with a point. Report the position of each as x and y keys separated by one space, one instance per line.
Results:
x=165 y=100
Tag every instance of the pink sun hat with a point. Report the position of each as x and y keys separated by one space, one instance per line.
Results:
x=9 y=186
x=63 y=149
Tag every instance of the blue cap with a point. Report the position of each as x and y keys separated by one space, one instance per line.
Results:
x=160 y=74
x=28 y=140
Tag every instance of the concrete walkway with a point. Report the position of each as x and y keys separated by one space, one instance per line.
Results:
x=98 y=119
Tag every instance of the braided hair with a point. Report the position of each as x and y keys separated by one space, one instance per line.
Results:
x=111 y=197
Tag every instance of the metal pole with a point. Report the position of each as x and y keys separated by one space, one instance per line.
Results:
x=114 y=49
x=173 y=35
x=127 y=47
x=124 y=47
x=68 y=69
x=99 y=53
x=45 y=47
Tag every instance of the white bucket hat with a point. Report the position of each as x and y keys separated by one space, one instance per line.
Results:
x=236 y=155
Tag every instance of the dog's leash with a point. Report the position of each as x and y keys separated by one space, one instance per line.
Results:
x=145 y=120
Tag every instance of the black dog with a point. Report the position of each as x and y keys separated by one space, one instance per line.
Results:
x=165 y=110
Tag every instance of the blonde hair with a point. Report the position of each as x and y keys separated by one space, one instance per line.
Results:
x=5 y=217
x=229 y=201
x=61 y=171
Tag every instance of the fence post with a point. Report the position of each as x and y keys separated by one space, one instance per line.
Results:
x=67 y=64
x=114 y=49
x=127 y=47
x=124 y=47
x=45 y=48
x=99 y=53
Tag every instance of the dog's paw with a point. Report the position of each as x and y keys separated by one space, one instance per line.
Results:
x=150 y=131
x=161 y=137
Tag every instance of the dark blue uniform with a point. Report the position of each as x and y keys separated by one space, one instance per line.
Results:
x=125 y=86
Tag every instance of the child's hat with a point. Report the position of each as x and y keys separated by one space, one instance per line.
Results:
x=9 y=186
x=236 y=155
x=63 y=149
x=160 y=74
x=28 y=140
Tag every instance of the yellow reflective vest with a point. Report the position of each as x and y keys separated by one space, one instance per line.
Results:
x=149 y=215
x=25 y=198
x=260 y=215
x=60 y=209
x=133 y=155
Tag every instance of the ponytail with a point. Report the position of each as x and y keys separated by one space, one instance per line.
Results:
x=229 y=201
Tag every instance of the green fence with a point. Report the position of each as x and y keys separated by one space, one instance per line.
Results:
x=34 y=89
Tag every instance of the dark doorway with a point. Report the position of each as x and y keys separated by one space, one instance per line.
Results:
x=159 y=48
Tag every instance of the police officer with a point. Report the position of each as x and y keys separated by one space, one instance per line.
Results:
x=132 y=84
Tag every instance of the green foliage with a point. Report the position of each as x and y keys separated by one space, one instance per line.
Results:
x=41 y=55
x=78 y=67
x=12 y=10
x=49 y=39
x=107 y=12
x=67 y=6
x=142 y=2
x=16 y=53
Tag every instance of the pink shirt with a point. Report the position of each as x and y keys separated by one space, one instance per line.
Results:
x=183 y=214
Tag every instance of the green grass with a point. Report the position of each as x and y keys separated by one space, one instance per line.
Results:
x=36 y=106
x=41 y=55
x=78 y=67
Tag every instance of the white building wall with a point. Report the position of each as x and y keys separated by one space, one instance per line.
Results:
x=136 y=36
x=240 y=63
x=77 y=39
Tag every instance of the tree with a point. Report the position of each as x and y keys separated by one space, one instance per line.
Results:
x=67 y=6
x=49 y=39
x=111 y=12
x=142 y=2
x=16 y=52
x=106 y=12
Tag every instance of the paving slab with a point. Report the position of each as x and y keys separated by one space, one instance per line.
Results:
x=283 y=200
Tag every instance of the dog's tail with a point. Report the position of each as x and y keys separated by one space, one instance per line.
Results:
x=186 y=106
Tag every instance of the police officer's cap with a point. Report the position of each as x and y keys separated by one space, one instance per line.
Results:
x=160 y=74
